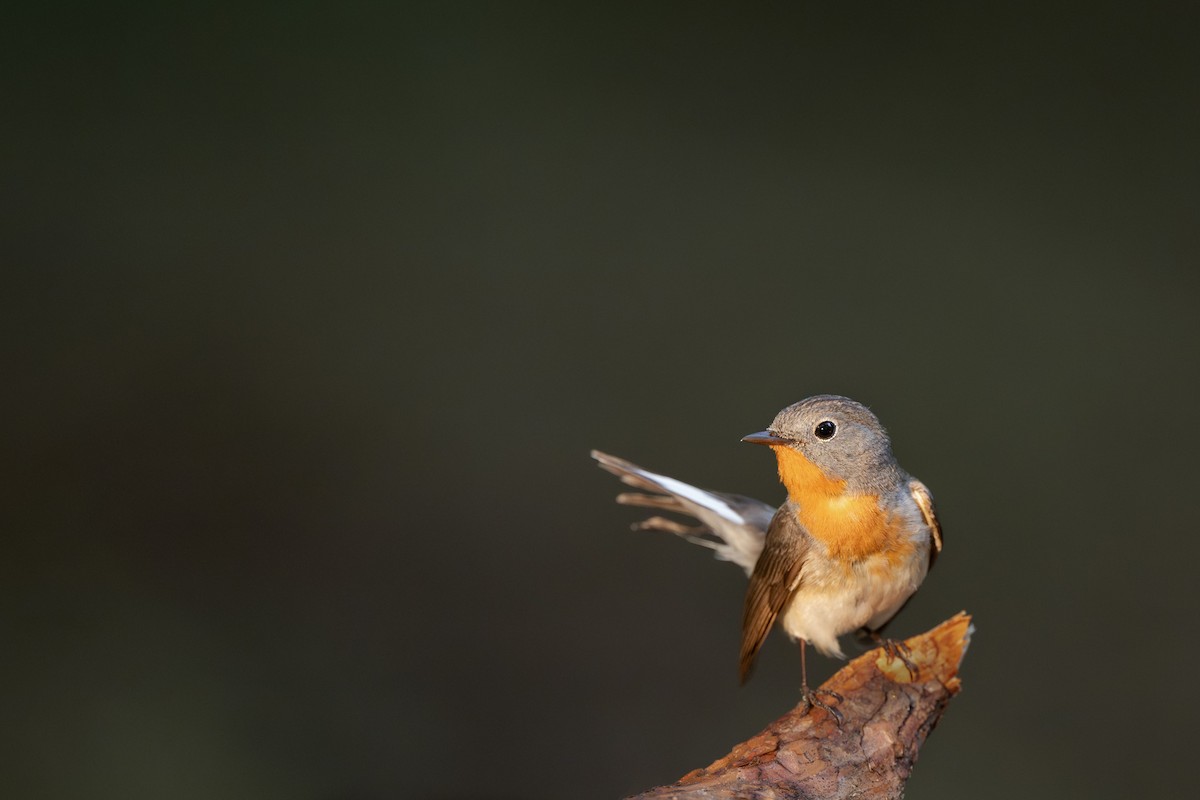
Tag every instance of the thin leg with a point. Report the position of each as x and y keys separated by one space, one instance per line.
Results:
x=810 y=695
x=803 y=670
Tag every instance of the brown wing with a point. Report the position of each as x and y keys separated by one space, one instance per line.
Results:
x=925 y=502
x=775 y=579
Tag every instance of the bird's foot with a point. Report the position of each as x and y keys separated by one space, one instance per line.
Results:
x=897 y=649
x=811 y=700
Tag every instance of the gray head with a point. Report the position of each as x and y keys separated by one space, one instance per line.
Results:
x=840 y=436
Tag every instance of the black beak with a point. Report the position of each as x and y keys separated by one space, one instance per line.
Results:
x=764 y=437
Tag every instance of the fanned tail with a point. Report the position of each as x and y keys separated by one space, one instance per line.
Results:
x=731 y=525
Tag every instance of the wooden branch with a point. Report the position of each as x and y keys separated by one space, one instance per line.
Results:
x=805 y=754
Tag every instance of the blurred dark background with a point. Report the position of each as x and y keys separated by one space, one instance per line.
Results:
x=311 y=316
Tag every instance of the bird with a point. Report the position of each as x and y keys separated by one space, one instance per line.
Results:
x=849 y=546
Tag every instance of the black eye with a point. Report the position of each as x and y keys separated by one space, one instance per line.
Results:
x=825 y=430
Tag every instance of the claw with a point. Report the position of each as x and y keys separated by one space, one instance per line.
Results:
x=895 y=649
x=899 y=650
x=811 y=700
x=810 y=695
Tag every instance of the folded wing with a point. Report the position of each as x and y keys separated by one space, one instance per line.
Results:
x=775 y=578
x=925 y=502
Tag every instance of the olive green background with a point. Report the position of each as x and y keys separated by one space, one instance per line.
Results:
x=312 y=313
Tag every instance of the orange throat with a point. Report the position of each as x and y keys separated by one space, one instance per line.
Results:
x=851 y=526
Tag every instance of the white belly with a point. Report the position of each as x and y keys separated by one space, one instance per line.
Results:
x=833 y=600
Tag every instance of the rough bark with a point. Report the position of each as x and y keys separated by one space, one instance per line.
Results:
x=805 y=754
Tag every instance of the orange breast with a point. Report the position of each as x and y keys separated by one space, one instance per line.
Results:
x=851 y=526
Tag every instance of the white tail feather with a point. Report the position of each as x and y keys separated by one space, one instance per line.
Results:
x=737 y=524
